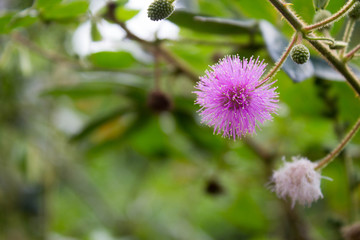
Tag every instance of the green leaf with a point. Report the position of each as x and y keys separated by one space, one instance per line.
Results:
x=212 y=24
x=95 y=34
x=66 y=11
x=83 y=90
x=276 y=44
x=123 y=14
x=95 y=123
x=136 y=125
x=4 y=21
x=202 y=137
x=112 y=60
x=23 y=19
x=43 y=4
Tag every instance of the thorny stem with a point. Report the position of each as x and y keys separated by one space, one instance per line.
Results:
x=298 y=25
x=331 y=156
x=347 y=34
x=352 y=53
x=333 y=17
x=280 y=61
x=284 y=10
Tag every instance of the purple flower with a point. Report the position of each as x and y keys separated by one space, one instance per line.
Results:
x=232 y=98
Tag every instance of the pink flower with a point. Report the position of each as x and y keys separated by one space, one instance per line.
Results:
x=232 y=98
x=298 y=180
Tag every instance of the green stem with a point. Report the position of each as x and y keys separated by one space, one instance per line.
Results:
x=331 y=156
x=320 y=39
x=320 y=47
x=347 y=34
x=333 y=17
x=352 y=53
x=352 y=206
x=280 y=61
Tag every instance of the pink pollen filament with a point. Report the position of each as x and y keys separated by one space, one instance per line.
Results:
x=236 y=98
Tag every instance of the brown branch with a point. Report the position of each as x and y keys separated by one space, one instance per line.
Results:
x=166 y=54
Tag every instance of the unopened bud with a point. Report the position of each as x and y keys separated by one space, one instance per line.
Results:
x=160 y=9
x=320 y=16
x=354 y=12
x=300 y=54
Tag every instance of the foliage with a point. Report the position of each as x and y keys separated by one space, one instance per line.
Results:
x=85 y=153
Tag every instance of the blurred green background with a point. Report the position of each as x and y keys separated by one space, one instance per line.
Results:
x=105 y=143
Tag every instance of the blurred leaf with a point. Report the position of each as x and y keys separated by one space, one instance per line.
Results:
x=24 y=18
x=42 y=4
x=95 y=34
x=112 y=60
x=83 y=90
x=97 y=122
x=212 y=24
x=66 y=10
x=137 y=124
x=151 y=140
x=324 y=71
x=276 y=44
x=4 y=21
x=243 y=207
x=201 y=136
x=257 y=9
x=123 y=14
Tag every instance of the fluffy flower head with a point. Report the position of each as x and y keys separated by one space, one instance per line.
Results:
x=298 y=180
x=232 y=98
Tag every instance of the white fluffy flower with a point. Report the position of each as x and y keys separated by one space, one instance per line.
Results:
x=298 y=180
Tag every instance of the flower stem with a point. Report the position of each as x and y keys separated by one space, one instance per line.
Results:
x=347 y=34
x=291 y=17
x=281 y=60
x=333 y=17
x=352 y=53
x=331 y=156
x=338 y=64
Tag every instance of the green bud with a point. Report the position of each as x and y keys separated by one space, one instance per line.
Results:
x=320 y=16
x=160 y=9
x=354 y=12
x=300 y=54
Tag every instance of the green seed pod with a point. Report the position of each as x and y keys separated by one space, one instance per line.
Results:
x=160 y=9
x=320 y=16
x=354 y=12
x=300 y=54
